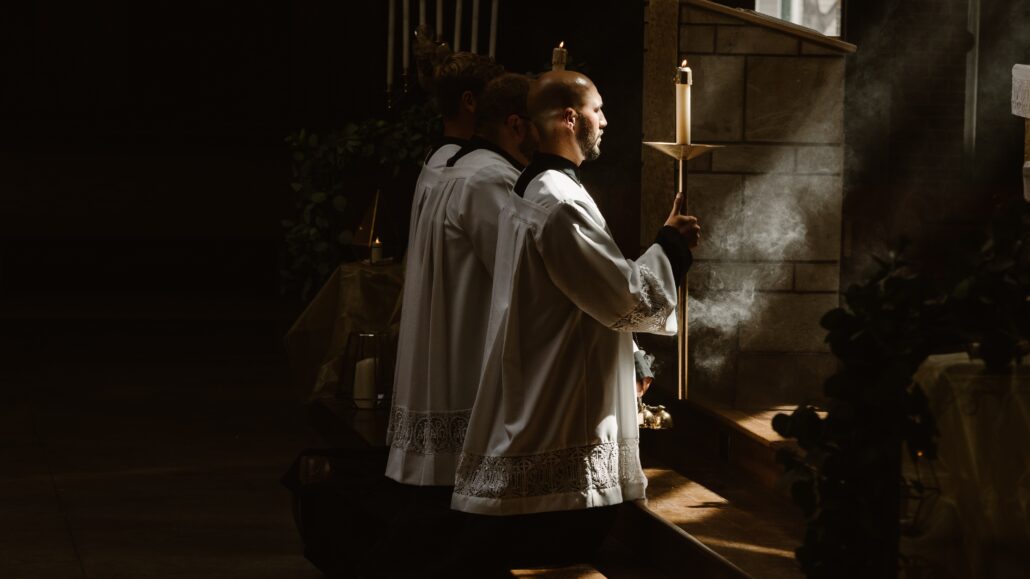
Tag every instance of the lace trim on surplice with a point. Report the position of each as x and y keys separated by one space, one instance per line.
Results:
x=569 y=470
x=427 y=432
x=653 y=308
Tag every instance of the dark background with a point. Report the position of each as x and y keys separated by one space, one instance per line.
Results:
x=142 y=152
x=142 y=147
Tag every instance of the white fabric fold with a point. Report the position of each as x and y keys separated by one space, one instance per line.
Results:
x=445 y=311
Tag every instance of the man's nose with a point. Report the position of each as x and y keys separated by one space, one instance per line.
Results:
x=604 y=121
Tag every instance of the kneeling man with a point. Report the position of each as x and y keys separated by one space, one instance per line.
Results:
x=554 y=427
x=447 y=288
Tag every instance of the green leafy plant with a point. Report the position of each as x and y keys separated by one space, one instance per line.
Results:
x=992 y=304
x=848 y=483
x=334 y=178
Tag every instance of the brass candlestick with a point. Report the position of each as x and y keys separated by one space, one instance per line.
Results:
x=682 y=152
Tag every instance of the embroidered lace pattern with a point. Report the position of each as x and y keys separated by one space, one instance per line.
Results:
x=652 y=310
x=427 y=432
x=569 y=470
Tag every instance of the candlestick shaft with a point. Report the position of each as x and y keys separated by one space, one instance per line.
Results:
x=391 y=17
x=493 y=27
x=421 y=12
x=681 y=310
x=457 y=25
x=475 y=26
x=406 y=31
x=439 y=20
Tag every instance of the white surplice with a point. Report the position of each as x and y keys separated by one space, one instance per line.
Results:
x=554 y=425
x=445 y=311
x=434 y=164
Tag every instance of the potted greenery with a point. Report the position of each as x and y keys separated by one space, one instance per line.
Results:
x=335 y=177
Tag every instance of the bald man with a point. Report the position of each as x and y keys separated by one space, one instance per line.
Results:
x=554 y=427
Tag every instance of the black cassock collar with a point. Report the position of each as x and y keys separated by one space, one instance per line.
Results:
x=481 y=143
x=546 y=162
x=441 y=142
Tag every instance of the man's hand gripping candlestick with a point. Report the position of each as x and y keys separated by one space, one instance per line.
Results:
x=687 y=225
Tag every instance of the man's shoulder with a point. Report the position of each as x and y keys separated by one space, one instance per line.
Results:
x=551 y=189
x=438 y=158
x=485 y=166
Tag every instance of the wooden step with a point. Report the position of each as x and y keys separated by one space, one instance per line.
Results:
x=704 y=514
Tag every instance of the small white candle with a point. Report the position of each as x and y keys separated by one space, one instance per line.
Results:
x=439 y=20
x=559 y=56
x=421 y=12
x=391 y=17
x=377 y=252
x=365 y=383
x=457 y=25
x=684 y=78
x=475 y=26
x=406 y=31
x=493 y=28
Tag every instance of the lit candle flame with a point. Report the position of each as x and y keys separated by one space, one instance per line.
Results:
x=684 y=63
x=562 y=45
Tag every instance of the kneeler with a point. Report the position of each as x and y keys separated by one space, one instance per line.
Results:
x=355 y=522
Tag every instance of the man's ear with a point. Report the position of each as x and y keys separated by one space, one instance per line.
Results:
x=569 y=116
x=468 y=101
x=512 y=122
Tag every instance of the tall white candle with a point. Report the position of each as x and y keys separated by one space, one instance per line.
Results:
x=406 y=31
x=439 y=20
x=475 y=26
x=493 y=28
x=457 y=25
x=365 y=383
x=421 y=12
x=391 y=17
x=684 y=78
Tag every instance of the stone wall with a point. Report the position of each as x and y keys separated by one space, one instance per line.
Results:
x=769 y=202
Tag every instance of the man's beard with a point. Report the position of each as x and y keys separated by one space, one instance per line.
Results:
x=589 y=144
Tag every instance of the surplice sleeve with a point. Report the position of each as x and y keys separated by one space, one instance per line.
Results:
x=625 y=295
x=484 y=195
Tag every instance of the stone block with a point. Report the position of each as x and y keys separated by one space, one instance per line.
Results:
x=797 y=100
x=817 y=277
x=754 y=40
x=702 y=163
x=771 y=380
x=825 y=160
x=696 y=39
x=717 y=98
x=657 y=188
x=753 y=159
x=787 y=323
x=718 y=275
x=692 y=15
x=788 y=217
x=717 y=201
